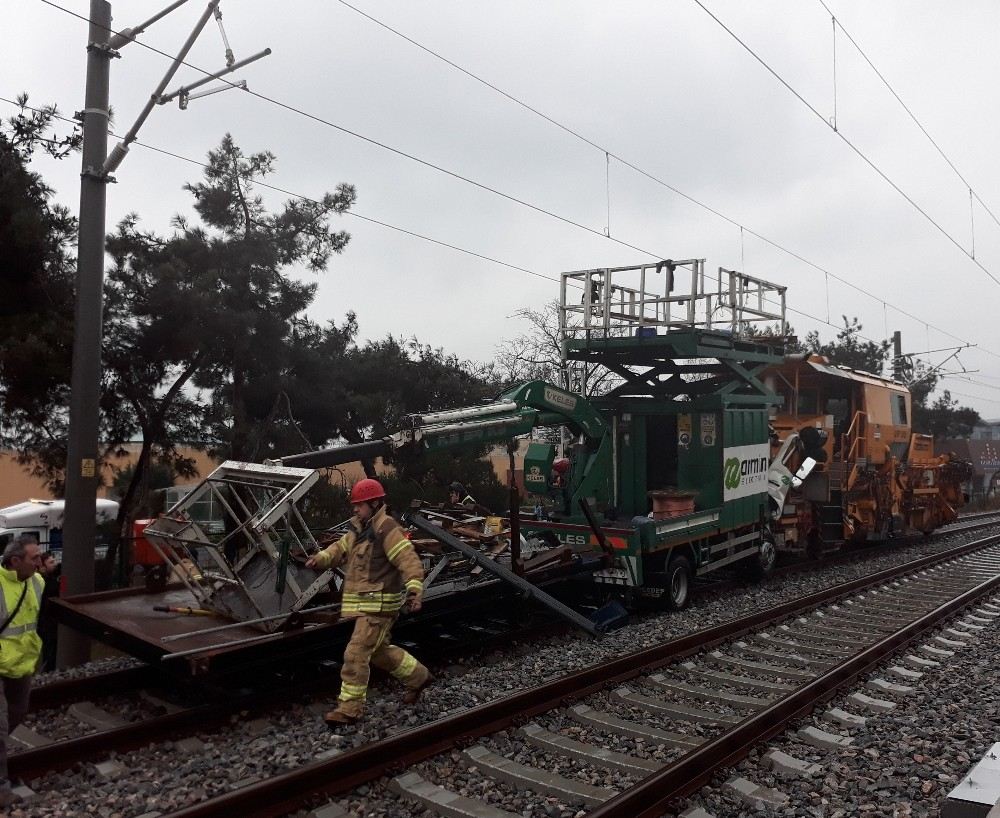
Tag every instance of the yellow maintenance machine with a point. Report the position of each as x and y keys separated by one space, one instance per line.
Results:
x=849 y=466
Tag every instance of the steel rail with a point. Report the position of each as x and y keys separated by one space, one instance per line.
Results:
x=288 y=791
x=851 y=557
x=53 y=694
x=64 y=754
x=651 y=797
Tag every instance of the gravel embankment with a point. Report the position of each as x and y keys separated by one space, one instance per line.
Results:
x=159 y=778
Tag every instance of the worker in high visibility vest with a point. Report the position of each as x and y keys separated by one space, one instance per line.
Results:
x=458 y=496
x=20 y=646
x=383 y=574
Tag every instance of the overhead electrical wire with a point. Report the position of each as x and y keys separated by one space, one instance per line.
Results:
x=972 y=381
x=645 y=173
x=910 y=113
x=974 y=397
x=375 y=142
x=397 y=228
x=412 y=233
x=305 y=198
x=509 y=197
x=863 y=156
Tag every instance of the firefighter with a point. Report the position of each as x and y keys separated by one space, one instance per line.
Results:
x=382 y=575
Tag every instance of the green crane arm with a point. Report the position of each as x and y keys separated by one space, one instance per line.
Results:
x=515 y=412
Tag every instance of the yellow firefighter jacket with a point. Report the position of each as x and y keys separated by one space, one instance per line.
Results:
x=382 y=566
x=20 y=645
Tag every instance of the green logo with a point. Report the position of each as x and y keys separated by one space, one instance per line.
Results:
x=731 y=473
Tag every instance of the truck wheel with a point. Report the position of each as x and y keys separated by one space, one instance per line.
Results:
x=156 y=578
x=678 y=583
x=761 y=565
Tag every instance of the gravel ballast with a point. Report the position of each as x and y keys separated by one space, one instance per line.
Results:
x=903 y=763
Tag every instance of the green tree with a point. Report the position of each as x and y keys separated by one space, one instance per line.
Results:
x=37 y=239
x=212 y=307
x=945 y=418
x=848 y=349
x=391 y=378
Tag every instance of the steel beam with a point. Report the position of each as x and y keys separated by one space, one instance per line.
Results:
x=491 y=566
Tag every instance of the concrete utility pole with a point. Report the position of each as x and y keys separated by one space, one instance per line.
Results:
x=82 y=469
x=83 y=460
x=897 y=356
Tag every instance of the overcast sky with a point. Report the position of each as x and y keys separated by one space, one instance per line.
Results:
x=657 y=83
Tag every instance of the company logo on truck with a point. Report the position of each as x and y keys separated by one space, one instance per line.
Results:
x=744 y=470
x=534 y=477
x=560 y=400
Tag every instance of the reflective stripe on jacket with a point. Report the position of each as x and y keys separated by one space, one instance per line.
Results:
x=381 y=566
x=20 y=644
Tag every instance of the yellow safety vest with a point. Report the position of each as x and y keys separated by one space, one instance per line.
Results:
x=20 y=644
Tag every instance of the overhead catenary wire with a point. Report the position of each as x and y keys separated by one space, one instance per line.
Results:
x=472 y=253
x=967 y=379
x=430 y=239
x=379 y=144
x=861 y=154
x=321 y=120
x=397 y=228
x=303 y=197
x=838 y=24
x=653 y=178
x=974 y=397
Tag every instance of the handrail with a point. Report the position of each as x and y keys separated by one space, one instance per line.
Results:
x=858 y=436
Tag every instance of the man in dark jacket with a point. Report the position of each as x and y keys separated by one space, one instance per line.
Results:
x=51 y=572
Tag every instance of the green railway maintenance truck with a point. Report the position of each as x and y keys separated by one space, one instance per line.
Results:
x=669 y=466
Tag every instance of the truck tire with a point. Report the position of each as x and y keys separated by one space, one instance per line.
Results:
x=678 y=590
x=761 y=565
x=156 y=578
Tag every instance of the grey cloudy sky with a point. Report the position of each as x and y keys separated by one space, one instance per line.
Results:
x=658 y=83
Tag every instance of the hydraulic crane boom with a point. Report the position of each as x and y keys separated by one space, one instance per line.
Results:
x=515 y=412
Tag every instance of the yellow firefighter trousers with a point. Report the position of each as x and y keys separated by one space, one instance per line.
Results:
x=370 y=645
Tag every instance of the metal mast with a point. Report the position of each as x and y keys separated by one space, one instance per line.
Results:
x=83 y=459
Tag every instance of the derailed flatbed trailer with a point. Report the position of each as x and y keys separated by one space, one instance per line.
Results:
x=126 y=620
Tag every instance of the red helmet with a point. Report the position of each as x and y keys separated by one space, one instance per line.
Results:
x=560 y=465
x=366 y=490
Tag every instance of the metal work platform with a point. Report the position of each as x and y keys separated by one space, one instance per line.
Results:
x=664 y=330
x=253 y=571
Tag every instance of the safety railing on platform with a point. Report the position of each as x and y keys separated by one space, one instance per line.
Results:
x=670 y=295
x=253 y=570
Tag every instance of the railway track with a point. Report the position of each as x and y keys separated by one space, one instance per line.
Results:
x=702 y=700
x=133 y=707
x=94 y=705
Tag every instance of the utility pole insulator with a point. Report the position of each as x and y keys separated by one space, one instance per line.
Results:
x=117 y=157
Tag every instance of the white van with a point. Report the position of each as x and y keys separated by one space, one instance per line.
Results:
x=44 y=519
